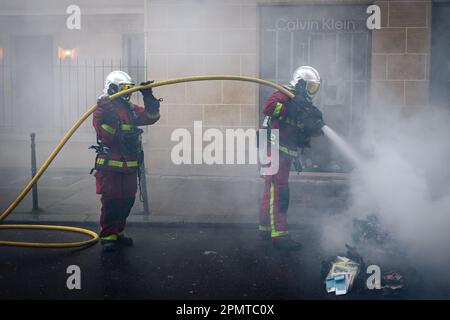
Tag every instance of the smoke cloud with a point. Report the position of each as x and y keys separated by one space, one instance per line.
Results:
x=405 y=182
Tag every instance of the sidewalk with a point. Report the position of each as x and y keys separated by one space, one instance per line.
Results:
x=69 y=196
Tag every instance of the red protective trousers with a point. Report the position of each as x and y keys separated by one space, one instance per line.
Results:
x=118 y=195
x=275 y=201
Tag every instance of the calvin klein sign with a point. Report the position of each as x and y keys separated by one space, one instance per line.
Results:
x=324 y=24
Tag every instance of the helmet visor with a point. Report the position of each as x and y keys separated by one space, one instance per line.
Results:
x=313 y=87
x=126 y=86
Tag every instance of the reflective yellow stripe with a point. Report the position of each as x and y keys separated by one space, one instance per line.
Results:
x=108 y=128
x=115 y=163
x=111 y=237
x=277 y=110
x=126 y=127
x=274 y=232
x=153 y=115
x=264 y=228
x=292 y=153
x=272 y=199
x=132 y=164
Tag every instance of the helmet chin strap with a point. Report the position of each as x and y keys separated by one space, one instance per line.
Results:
x=309 y=97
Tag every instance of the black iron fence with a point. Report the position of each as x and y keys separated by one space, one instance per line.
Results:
x=71 y=87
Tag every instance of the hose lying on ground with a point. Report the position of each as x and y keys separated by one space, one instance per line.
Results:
x=94 y=237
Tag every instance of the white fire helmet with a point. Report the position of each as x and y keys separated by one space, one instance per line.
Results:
x=117 y=81
x=311 y=78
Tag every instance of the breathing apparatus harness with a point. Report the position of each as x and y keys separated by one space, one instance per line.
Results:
x=130 y=142
x=271 y=138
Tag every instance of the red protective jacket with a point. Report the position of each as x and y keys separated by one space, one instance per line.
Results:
x=291 y=136
x=117 y=168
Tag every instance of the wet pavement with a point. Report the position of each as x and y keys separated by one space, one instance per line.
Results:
x=182 y=262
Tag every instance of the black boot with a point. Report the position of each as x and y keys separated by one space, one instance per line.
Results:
x=110 y=245
x=124 y=241
x=286 y=244
x=264 y=235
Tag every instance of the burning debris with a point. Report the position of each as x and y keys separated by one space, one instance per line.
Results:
x=368 y=231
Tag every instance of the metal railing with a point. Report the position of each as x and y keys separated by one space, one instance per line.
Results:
x=74 y=86
x=81 y=82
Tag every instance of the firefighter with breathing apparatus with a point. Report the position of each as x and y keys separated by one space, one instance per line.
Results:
x=297 y=120
x=119 y=154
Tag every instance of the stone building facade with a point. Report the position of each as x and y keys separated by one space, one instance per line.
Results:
x=199 y=37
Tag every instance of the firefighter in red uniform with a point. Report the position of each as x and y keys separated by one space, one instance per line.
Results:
x=297 y=120
x=119 y=154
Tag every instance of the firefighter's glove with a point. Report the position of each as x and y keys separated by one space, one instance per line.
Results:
x=147 y=91
x=313 y=121
x=150 y=102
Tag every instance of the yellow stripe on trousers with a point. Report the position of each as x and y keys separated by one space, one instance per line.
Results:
x=274 y=233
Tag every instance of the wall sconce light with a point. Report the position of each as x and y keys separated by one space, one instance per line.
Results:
x=1 y=55
x=64 y=53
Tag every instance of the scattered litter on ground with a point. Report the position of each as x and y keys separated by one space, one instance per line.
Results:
x=342 y=275
x=207 y=253
x=343 y=272
x=392 y=280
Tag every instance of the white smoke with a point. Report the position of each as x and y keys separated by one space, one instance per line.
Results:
x=405 y=181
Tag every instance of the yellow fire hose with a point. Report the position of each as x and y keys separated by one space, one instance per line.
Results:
x=94 y=236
